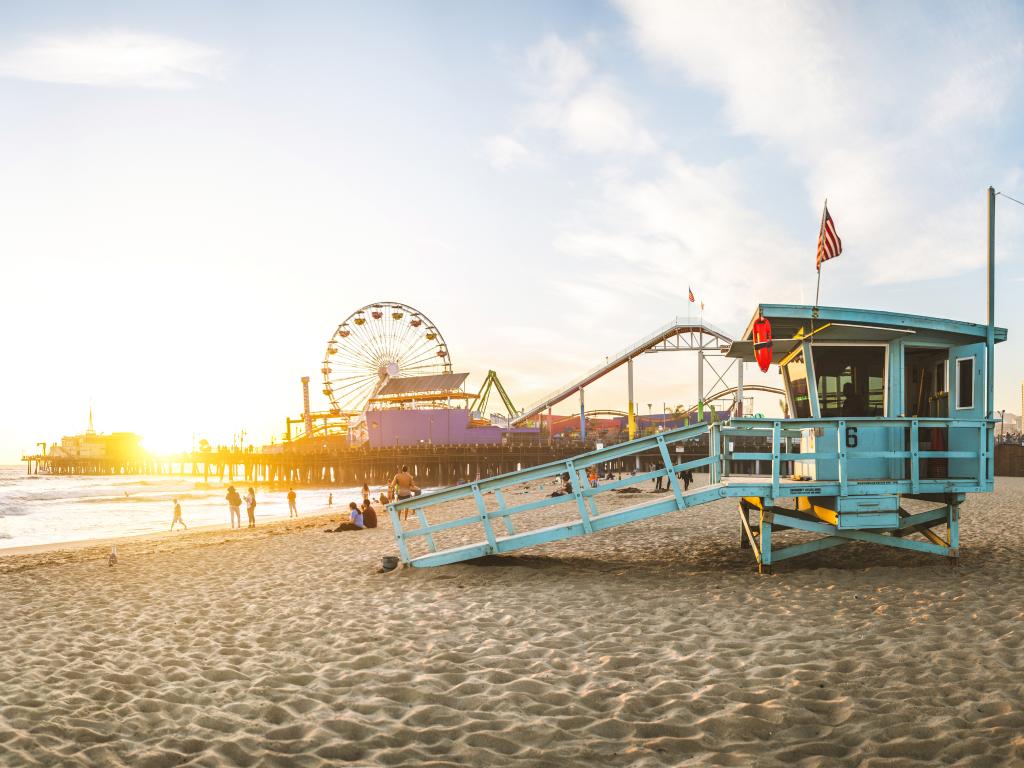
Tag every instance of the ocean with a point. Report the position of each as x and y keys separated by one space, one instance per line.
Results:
x=45 y=509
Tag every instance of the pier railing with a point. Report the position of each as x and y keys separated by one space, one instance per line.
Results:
x=903 y=474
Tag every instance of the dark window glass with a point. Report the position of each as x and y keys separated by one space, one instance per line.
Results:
x=796 y=383
x=850 y=379
x=965 y=383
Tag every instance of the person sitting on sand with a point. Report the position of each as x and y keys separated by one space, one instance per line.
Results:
x=384 y=499
x=566 y=489
x=177 y=516
x=369 y=514
x=355 y=520
x=235 y=505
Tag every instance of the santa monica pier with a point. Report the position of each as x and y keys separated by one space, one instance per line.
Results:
x=392 y=395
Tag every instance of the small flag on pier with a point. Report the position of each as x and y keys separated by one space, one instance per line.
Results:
x=829 y=244
x=692 y=300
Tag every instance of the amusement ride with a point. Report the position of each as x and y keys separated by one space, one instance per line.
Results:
x=375 y=344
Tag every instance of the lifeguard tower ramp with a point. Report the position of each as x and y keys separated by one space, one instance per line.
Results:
x=889 y=466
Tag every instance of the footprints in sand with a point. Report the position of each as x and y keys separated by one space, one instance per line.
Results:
x=656 y=646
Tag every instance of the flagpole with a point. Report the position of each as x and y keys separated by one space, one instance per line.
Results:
x=821 y=230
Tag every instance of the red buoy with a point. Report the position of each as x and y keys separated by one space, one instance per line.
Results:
x=762 y=335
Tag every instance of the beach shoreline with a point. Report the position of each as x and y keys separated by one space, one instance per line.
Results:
x=67 y=511
x=52 y=553
x=177 y=534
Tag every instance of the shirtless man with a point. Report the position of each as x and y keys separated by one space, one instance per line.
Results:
x=402 y=487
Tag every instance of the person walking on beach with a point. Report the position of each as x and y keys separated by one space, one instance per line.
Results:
x=687 y=476
x=250 y=507
x=330 y=499
x=292 y=511
x=366 y=493
x=403 y=486
x=177 y=516
x=235 y=505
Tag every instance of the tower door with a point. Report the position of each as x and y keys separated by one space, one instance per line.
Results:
x=966 y=401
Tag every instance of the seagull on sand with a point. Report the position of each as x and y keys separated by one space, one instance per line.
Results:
x=112 y=557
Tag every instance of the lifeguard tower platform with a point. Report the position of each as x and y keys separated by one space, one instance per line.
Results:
x=883 y=408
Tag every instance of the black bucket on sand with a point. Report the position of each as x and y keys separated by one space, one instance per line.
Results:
x=388 y=563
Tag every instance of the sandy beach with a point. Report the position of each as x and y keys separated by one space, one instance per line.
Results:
x=655 y=644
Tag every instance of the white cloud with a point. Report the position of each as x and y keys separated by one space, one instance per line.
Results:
x=598 y=121
x=815 y=98
x=653 y=237
x=113 y=59
x=884 y=126
x=556 y=67
x=590 y=114
x=775 y=64
x=505 y=152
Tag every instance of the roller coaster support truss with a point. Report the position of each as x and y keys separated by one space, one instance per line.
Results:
x=479 y=403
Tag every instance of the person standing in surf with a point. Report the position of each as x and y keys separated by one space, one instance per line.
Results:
x=235 y=505
x=403 y=486
x=177 y=516
x=250 y=507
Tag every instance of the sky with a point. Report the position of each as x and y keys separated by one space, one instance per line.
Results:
x=193 y=196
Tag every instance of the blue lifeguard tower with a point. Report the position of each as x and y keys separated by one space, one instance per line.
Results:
x=883 y=407
x=889 y=427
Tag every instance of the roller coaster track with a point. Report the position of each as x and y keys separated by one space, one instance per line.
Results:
x=680 y=334
x=723 y=393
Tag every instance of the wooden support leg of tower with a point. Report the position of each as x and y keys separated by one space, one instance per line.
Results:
x=764 y=560
x=953 y=532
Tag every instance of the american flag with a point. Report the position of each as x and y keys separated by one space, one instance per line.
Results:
x=691 y=295
x=829 y=244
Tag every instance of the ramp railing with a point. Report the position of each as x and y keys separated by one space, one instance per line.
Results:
x=581 y=496
x=966 y=449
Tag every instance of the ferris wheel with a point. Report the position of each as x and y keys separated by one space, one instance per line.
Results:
x=375 y=344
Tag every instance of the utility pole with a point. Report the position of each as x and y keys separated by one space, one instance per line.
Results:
x=990 y=335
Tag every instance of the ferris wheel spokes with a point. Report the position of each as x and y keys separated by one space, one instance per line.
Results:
x=381 y=341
